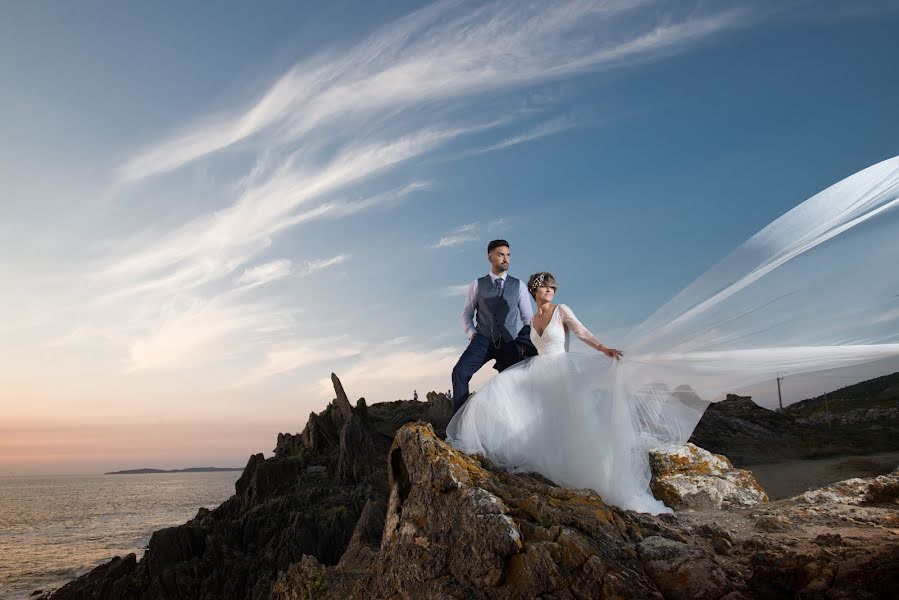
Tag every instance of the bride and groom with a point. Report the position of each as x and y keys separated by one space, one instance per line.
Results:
x=547 y=411
x=493 y=306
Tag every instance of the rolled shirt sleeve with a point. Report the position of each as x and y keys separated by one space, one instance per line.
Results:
x=468 y=324
x=524 y=304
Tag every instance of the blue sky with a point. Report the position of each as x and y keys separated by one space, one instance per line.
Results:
x=207 y=208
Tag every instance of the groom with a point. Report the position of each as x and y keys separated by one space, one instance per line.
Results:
x=493 y=305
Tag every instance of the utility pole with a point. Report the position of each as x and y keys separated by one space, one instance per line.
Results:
x=779 y=398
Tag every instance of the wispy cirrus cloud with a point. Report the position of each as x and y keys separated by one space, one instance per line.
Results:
x=194 y=332
x=318 y=142
x=354 y=95
x=460 y=235
x=473 y=232
x=551 y=127
x=451 y=291
x=461 y=51
x=313 y=266
x=290 y=358
x=282 y=268
x=268 y=272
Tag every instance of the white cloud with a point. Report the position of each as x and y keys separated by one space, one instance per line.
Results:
x=195 y=332
x=337 y=121
x=381 y=373
x=266 y=273
x=544 y=129
x=501 y=224
x=455 y=290
x=460 y=53
x=319 y=143
x=459 y=236
x=314 y=266
x=283 y=360
x=472 y=232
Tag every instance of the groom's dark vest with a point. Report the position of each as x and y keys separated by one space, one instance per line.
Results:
x=497 y=316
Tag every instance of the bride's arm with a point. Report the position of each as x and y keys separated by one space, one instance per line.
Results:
x=577 y=328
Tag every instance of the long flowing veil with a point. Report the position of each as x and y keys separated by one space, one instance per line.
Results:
x=816 y=289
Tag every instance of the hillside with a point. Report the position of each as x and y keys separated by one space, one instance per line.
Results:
x=880 y=392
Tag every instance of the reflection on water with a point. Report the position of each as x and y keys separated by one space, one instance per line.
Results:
x=53 y=529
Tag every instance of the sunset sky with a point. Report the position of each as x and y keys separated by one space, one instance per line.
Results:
x=208 y=207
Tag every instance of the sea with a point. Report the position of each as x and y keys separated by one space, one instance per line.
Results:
x=55 y=528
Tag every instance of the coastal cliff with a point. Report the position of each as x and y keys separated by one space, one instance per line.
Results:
x=370 y=502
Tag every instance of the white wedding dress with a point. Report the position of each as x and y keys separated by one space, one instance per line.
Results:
x=557 y=414
x=816 y=289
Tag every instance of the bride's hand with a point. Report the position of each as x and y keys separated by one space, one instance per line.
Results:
x=612 y=353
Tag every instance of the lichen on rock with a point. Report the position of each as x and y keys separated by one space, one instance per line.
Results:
x=691 y=477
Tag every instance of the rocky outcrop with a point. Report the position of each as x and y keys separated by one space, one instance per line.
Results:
x=370 y=502
x=691 y=477
x=458 y=527
x=750 y=435
x=747 y=433
x=323 y=494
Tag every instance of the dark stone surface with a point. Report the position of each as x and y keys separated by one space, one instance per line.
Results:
x=370 y=502
x=322 y=494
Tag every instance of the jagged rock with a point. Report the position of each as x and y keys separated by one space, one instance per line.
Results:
x=304 y=580
x=691 y=477
x=439 y=412
x=341 y=401
x=411 y=517
x=355 y=449
x=323 y=431
x=109 y=580
x=366 y=540
x=516 y=545
x=173 y=545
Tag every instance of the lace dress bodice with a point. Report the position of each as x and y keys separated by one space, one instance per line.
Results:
x=554 y=339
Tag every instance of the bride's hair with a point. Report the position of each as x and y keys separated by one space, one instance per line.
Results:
x=543 y=278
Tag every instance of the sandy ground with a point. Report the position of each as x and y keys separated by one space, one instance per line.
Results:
x=782 y=480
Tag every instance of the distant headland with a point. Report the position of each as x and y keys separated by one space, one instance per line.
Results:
x=187 y=470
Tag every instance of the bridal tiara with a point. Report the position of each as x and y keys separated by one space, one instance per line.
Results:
x=540 y=280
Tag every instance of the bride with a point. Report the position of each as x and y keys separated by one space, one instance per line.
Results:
x=814 y=290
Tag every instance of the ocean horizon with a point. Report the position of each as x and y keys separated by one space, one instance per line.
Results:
x=54 y=528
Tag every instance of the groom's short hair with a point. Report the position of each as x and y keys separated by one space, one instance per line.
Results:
x=496 y=244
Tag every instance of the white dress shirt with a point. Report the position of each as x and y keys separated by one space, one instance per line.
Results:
x=524 y=304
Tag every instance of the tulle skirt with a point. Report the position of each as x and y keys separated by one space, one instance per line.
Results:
x=568 y=417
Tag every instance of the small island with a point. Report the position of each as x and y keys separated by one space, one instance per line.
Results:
x=187 y=470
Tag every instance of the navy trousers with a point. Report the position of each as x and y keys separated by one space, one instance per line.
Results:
x=480 y=350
